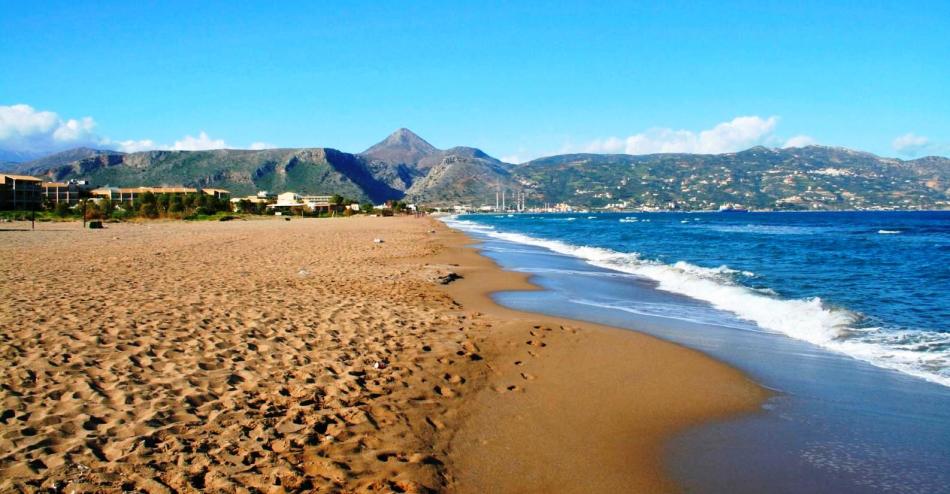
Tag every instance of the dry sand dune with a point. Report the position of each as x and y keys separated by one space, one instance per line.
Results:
x=273 y=356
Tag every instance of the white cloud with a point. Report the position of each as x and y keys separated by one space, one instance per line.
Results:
x=734 y=135
x=910 y=144
x=23 y=128
x=799 y=141
x=200 y=143
x=133 y=146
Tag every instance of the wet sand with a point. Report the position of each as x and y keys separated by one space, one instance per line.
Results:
x=572 y=406
x=296 y=356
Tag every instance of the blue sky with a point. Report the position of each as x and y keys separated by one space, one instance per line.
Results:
x=519 y=80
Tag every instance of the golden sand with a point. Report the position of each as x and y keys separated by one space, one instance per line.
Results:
x=279 y=356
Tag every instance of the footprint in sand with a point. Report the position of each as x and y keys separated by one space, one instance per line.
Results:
x=506 y=389
x=454 y=378
x=444 y=391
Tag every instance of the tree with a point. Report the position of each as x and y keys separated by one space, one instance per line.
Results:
x=61 y=209
x=164 y=202
x=149 y=209
x=107 y=206
x=176 y=204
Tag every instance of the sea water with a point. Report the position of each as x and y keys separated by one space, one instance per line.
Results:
x=871 y=285
x=845 y=315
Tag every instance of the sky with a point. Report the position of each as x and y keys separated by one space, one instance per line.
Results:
x=519 y=80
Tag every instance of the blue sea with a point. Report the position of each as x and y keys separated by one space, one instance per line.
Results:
x=871 y=285
x=846 y=315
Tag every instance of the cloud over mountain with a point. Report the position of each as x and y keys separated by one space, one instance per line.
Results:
x=24 y=129
x=200 y=143
x=28 y=133
x=911 y=144
x=726 y=137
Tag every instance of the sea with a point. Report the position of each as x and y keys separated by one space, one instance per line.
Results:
x=845 y=315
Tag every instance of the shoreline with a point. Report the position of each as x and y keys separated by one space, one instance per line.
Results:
x=836 y=424
x=578 y=397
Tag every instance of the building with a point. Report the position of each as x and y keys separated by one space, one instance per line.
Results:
x=20 y=192
x=63 y=192
x=250 y=199
x=129 y=194
x=262 y=197
x=289 y=200
x=218 y=193
x=316 y=202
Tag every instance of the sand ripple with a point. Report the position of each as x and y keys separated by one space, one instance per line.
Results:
x=249 y=356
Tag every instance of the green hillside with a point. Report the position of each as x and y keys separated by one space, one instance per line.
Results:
x=404 y=166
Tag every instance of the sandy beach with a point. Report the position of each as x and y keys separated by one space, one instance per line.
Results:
x=274 y=356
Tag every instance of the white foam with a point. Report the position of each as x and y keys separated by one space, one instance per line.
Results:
x=805 y=319
x=888 y=232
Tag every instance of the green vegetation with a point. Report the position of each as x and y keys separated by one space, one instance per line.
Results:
x=406 y=168
x=809 y=178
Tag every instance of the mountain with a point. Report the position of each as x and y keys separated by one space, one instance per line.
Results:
x=8 y=166
x=243 y=172
x=404 y=166
x=812 y=177
x=402 y=147
x=10 y=156
x=461 y=175
x=59 y=159
x=433 y=176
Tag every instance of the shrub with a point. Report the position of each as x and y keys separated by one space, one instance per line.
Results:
x=149 y=210
x=61 y=209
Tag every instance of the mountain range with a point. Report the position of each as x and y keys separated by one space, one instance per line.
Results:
x=405 y=166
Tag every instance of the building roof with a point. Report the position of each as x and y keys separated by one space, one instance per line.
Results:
x=24 y=178
x=154 y=190
x=55 y=184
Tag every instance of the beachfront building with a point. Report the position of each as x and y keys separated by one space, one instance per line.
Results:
x=130 y=194
x=20 y=192
x=316 y=203
x=289 y=200
x=63 y=192
x=262 y=197
x=221 y=194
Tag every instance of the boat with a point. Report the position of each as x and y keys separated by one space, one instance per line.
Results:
x=732 y=208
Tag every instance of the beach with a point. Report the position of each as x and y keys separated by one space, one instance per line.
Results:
x=337 y=355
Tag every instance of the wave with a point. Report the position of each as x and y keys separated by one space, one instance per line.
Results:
x=888 y=232
x=924 y=354
x=666 y=311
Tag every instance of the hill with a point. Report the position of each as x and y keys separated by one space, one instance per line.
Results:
x=405 y=166
x=40 y=165
x=813 y=177
x=243 y=172
x=402 y=147
x=461 y=175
